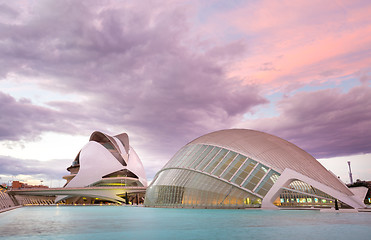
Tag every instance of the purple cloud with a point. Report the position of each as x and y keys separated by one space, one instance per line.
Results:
x=7 y=12
x=326 y=123
x=23 y=120
x=46 y=169
x=136 y=68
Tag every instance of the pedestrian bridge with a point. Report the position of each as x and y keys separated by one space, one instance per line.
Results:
x=111 y=192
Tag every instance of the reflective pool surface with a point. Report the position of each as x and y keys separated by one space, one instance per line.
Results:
x=121 y=222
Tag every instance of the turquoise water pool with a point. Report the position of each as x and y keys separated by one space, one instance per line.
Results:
x=119 y=222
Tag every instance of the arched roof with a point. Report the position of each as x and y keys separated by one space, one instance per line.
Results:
x=136 y=166
x=124 y=138
x=99 y=136
x=133 y=162
x=274 y=152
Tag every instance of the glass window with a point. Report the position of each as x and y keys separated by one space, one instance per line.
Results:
x=224 y=163
x=187 y=160
x=208 y=158
x=216 y=160
x=233 y=167
x=267 y=183
x=187 y=153
x=201 y=156
x=194 y=156
x=197 y=190
x=255 y=177
x=244 y=171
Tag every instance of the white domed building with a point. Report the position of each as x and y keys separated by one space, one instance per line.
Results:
x=241 y=168
x=106 y=169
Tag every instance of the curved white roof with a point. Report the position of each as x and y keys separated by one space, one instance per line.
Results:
x=274 y=152
x=136 y=166
x=99 y=161
x=96 y=161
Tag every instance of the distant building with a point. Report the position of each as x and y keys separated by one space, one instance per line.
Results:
x=18 y=184
x=241 y=168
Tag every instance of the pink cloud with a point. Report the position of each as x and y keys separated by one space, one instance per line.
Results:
x=302 y=41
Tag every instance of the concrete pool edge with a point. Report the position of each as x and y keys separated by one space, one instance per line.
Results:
x=302 y=209
x=10 y=208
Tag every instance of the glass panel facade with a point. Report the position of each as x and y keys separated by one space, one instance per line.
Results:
x=301 y=194
x=300 y=186
x=187 y=162
x=290 y=198
x=244 y=171
x=208 y=158
x=186 y=154
x=233 y=167
x=224 y=164
x=216 y=160
x=196 y=149
x=186 y=188
x=267 y=183
x=255 y=177
x=200 y=157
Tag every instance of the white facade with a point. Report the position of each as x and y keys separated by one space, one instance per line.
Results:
x=105 y=161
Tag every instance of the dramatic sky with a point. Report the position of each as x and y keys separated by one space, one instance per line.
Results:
x=167 y=72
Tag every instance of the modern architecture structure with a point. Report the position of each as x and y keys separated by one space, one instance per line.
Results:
x=241 y=168
x=106 y=169
x=109 y=168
